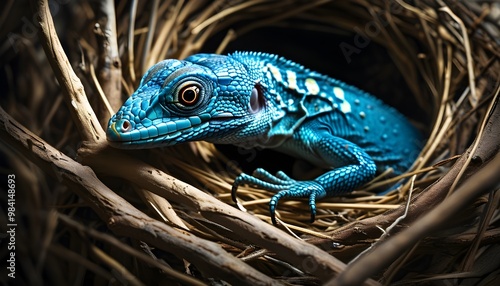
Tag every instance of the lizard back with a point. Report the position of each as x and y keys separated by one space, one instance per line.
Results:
x=308 y=98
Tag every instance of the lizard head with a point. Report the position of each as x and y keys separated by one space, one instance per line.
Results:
x=204 y=97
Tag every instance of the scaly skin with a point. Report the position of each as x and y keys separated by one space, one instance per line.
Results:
x=255 y=99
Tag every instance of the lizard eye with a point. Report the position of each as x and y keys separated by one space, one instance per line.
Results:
x=189 y=95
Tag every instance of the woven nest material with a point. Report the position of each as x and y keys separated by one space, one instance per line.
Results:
x=88 y=213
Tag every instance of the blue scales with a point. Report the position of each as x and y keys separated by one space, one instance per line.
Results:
x=255 y=99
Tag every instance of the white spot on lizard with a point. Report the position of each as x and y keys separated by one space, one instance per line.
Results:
x=312 y=86
x=292 y=79
x=275 y=72
x=345 y=107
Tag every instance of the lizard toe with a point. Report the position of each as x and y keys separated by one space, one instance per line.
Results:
x=302 y=189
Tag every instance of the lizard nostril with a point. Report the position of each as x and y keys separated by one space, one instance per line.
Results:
x=126 y=126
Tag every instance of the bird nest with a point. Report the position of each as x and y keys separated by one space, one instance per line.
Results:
x=88 y=213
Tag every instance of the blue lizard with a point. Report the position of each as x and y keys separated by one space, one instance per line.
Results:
x=255 y=99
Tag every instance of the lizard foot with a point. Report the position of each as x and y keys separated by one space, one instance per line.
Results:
x=285 y=187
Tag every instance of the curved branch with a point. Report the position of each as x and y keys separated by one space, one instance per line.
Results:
x=301 y=254
x=123 y=218
x=389 y=250
x=74 y=95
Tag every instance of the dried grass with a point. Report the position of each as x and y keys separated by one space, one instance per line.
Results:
x=166 y=215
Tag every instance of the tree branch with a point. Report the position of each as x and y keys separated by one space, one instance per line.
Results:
x=301 y=254
x=109 y=69
x=74 y=95
x=120 y=216
x=387 y=252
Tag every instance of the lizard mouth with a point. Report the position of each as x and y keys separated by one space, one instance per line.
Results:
x=125 y=134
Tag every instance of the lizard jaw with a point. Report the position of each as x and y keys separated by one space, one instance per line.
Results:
x=123 y=133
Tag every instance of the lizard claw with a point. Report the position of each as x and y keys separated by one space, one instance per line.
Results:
x=299 y=189
x=285 y=187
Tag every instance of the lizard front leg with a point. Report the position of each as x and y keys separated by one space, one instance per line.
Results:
x=356 y=168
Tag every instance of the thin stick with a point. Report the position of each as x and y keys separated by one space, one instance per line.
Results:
x=130 y=38
x=84 y=117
